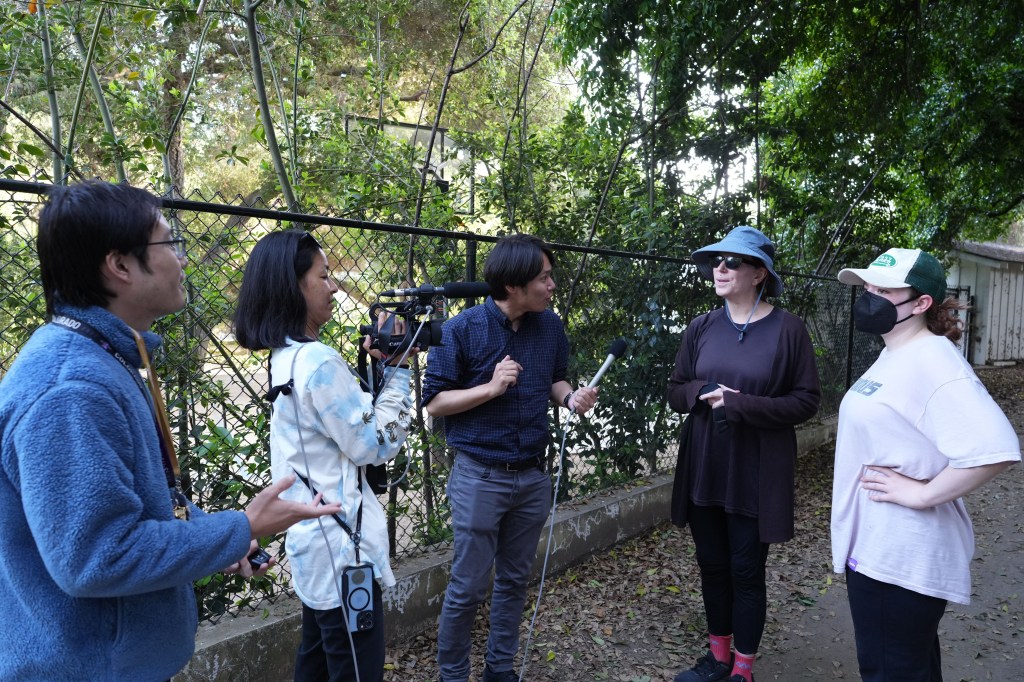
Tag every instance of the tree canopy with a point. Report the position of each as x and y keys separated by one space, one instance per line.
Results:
x=833 y=126
x=869 y=124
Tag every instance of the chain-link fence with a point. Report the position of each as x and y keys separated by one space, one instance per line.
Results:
x=215 y=389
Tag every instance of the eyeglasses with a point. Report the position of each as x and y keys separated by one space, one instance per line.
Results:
x=177 y=245
x=731 y=262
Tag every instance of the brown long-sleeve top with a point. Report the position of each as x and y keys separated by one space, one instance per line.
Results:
x=745 y=464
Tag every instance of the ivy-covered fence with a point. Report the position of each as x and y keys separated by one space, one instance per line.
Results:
x=214 y=389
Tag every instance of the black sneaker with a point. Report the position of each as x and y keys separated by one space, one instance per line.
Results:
x=740 y=678
x=708 y=669
x=503 y=676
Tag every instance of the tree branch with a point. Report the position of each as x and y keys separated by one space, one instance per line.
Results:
x=1010 y=205
x=38 y=133
x=494 y=42
x=264 y=105
x=626 y=142
x=463 y=26
x=51 y=96
x=188 y=94
x=97 y=89
x=842 y=231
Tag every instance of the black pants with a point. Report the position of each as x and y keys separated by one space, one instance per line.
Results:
x=732 y=562
x=325 y=653
x=897 y=631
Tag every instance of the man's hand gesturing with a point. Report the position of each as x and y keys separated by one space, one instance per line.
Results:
x=506 y=373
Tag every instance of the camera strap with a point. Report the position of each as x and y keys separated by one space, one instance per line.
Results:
x=355 y=535
x=179 y=502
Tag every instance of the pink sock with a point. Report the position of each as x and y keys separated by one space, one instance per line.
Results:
x=743 y=665
x=721 y=647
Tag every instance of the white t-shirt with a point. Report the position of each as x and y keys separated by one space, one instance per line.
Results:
x=342 y=430
x=918 y=410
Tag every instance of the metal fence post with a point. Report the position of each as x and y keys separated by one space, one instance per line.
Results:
x=471 y=260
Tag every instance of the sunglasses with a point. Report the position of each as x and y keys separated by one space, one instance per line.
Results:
x=731 y=262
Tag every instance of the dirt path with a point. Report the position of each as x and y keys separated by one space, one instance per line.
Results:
x=634 y=613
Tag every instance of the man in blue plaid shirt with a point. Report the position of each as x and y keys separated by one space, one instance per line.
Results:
x=497 y=369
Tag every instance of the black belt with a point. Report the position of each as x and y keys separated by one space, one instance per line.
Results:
x=536 y=462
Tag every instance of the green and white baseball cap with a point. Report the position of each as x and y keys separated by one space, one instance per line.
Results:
x=898 y=268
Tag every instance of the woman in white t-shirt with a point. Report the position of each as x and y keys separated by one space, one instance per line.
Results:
x=917 y=432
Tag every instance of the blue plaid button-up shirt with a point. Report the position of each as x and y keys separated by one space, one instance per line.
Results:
x=513 y=426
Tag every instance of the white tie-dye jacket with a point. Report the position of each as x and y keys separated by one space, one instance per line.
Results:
x=342 y=430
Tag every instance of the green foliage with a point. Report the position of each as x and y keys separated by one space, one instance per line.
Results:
x=226 y=470
x=884 y=124
x=923 y=95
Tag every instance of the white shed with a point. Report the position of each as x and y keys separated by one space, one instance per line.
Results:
x=993 y=274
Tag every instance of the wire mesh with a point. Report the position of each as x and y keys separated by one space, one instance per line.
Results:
x=215 y=390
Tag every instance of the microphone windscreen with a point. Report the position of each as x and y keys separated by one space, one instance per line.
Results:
x=466 y=289
x=618 y=347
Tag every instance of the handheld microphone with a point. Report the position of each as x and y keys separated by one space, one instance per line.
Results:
x=617 y=348
x=448 y=290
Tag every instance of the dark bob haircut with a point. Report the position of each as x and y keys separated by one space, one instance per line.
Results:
x=271 y=306
x=514 y=262
x=79 y=225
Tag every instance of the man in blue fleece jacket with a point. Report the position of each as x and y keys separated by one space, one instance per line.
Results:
x=96 y=572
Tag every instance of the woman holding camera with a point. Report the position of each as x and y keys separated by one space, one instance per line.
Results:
x=917 y=432
x=745 y=375
x=325 y=429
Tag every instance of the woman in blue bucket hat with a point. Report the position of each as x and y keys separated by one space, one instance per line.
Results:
x=745 y=375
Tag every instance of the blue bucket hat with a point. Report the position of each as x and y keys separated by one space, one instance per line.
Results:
x=743 y=241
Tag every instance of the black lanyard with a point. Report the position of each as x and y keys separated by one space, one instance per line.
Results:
x=89 y=332
x=354 y=534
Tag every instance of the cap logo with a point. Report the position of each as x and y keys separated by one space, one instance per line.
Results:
x=884 y=261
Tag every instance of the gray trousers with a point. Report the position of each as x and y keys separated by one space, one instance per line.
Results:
x=497 y=517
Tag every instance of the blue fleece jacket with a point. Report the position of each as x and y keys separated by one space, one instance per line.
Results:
x=95 y=572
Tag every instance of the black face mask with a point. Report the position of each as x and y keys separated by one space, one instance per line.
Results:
x=874 y=314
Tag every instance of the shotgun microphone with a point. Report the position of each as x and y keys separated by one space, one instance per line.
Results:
x=615 y=351
x=449 y=290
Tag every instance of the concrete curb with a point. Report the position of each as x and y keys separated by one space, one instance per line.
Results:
x=262 y=646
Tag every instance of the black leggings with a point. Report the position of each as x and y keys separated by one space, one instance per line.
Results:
x=897 y=631
x=325 y=653
x=732 y=562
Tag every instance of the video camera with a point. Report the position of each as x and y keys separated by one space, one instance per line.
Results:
x=424 y=311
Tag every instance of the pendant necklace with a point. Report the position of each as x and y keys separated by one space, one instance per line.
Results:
x=743 y=330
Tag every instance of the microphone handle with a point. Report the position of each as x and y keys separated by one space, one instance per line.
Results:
x=600 y=373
